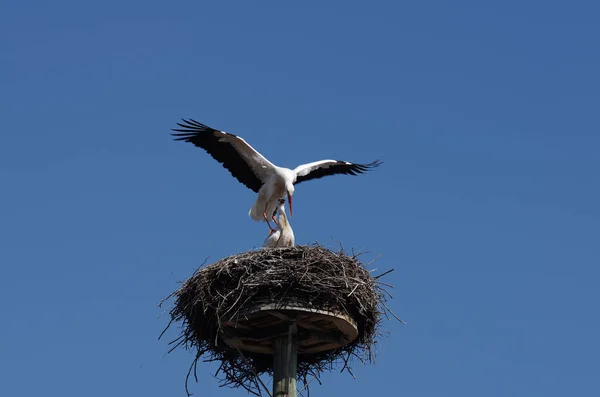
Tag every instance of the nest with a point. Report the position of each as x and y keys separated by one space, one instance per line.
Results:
x=312 y=276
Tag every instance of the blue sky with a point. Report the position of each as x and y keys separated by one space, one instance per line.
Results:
x=487 y=206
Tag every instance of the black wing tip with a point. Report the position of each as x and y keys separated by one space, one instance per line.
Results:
x=183 y=137
x=355 y=168
x=373 y=164
x=189 y=129
x=194 y=123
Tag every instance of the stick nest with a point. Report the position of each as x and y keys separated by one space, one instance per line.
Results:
x=309 y=275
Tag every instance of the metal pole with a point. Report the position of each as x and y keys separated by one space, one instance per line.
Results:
x=285 y=364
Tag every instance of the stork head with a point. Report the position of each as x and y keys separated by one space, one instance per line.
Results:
x=280 y=206
x=283 y=222
x=290 y=192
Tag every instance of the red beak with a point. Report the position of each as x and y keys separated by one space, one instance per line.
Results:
x=290 y=201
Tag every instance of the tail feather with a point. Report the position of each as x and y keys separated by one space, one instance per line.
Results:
x=256 y=212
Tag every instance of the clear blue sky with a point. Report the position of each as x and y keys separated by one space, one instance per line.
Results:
x=487 y=119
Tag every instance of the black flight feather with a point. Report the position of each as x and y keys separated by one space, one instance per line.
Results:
x=342 y=167
x=203 y=137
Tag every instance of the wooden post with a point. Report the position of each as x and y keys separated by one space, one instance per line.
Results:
x=285 y=364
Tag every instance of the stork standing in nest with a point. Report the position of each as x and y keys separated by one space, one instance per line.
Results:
x=283 y=236
x=256 y=172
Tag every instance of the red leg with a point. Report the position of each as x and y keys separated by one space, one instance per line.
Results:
x=271 y=230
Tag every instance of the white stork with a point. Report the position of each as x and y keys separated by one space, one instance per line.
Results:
x=256 y=172
x=283 y=236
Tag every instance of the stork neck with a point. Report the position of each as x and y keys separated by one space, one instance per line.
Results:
x=283 y=220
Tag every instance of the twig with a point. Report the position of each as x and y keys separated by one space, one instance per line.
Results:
x=254 y=372
x=392 y=313
x=354 y=289
x=383 y=274
x=306 y=384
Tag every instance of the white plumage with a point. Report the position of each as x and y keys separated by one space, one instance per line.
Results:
x=256 y=172
x=283 y=235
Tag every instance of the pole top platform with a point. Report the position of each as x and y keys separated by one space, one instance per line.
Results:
x=254 y=330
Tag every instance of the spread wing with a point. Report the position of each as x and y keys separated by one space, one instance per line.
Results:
x=319 y=169
x=243 y=162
